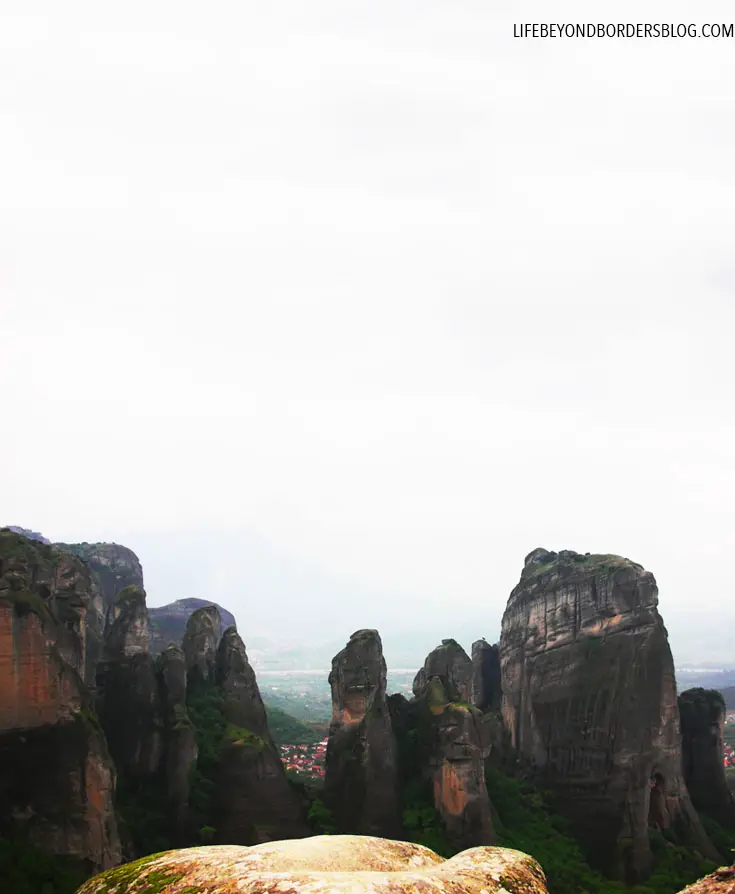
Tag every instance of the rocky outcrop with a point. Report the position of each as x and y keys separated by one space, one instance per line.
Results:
x=202 y=634
x=180 y=741
x=702 y=714
x=453 y=745
x=168 y=622
x=361 y=779
x=486 y=694
x=589 y=700
x=253 y=801
x=721 y=881
x=335 y=864
x=114 y=567
x=56 y=777
x=127 y=690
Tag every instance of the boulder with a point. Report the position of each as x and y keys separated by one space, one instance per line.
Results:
x=721 y=881
x=361 y=778
x=589 y=701
x=702 y=714
x=56 y=777
x=325 y=865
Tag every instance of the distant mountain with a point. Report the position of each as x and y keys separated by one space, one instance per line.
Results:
x=168 y=622
x=705 y=677
x=26 y=532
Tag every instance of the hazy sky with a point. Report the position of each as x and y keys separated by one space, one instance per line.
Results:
x=373 y=287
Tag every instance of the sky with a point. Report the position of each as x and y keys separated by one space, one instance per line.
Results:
x=335 y=311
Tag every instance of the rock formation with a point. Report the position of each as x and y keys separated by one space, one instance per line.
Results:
x=127 y=690
x=589 y=700
x=361 y=780
x=202 y=634
x=56 y=777
x=486 y=693
x=721 y=881
x=334 y=864
x=452 y=745
x=253 y=801
x=702 y=729
x=114 y=567
x=168 y=622
x=180 y=741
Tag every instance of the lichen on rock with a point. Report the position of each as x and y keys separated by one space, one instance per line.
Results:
x=338 y=864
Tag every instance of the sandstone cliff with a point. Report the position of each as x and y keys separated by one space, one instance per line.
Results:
x=180 y=741
x=702 y=727
x=589 y=700
x=361 y=781
x=452 y=744
x=113 y=567
x=127 y=689
x=326 y=865
x=486 y=694
x=253 y=800
x=56 y=777
x=168 y=622
x=203 y=630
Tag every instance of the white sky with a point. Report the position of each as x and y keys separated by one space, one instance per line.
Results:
x=377 y=285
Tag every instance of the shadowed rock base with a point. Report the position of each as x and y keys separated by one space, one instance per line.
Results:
x=327 y=864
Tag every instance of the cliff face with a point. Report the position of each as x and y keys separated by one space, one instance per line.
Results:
x=486 y=694
x=253 y=799
x=340 y=864
x=180 y=742
x=202 y=634
x=702 y=727
x=128 y=702
x=56 y=777
x=113 y=567
x=168 y=622
x=453 y=745
x=361 y=779
x=589 y=700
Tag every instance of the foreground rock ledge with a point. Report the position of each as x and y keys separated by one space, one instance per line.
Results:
x=323 y=864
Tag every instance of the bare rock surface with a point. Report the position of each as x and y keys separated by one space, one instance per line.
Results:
x=254 y=801
x=453 y=744
x=589 y=700
x=180 y=750
x=168 y=622
x=334 y=864
x=361 y=780
x=203 y=631
x=486 y=694
x=56 y=777
x=702 y=728
x=721 y=881
x=127 y=689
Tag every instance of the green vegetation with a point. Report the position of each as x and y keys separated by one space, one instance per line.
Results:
x=120 y=879
x=205 y=706
x=288 y=730
x=24 y=869
x=142 y=813
x=422 y=821
x=321 y=818
x=527 y=823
